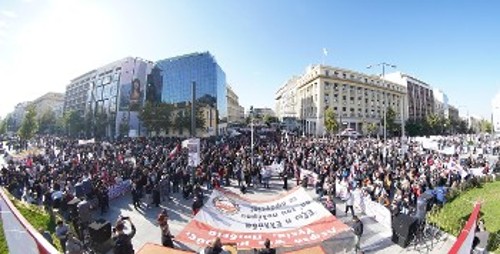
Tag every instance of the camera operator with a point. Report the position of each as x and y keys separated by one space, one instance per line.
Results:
x=123 y=241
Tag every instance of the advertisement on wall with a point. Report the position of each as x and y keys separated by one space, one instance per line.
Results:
x=132 y=85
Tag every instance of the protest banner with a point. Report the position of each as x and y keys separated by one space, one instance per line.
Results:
x=287 y=220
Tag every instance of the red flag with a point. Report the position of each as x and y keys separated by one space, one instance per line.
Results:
x=174 y=151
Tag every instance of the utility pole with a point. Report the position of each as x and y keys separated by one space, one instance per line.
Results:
x=383 y=64
x=193 y=111
x=251 y=136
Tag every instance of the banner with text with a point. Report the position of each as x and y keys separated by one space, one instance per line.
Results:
x=287 y=220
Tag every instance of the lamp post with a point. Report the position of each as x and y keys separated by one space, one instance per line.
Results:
x=251 y=136
x=383 y=65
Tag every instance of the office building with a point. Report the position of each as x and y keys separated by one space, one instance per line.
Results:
x=49 y=102
x=111 y=96
x=17 y=116
x=495 y=104
x=286 y=100
x=356 y=98
x=453 y=113
x=178 y=74
x=441 y=107
x=420 y=95
x=235 y=112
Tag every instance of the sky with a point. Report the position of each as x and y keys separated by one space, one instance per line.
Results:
x=451 y=45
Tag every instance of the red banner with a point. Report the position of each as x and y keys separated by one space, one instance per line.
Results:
x=287 y=220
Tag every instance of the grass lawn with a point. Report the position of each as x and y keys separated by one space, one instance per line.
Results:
x=3 y=242
x=452 y=216
x=38 y=218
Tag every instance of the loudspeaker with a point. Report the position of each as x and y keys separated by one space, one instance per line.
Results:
x=100 y=231
x=404 y=228
x=73 y=206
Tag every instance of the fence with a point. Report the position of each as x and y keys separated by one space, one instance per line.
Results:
x=20 y=235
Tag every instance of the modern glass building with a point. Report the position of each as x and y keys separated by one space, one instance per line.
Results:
x=178 y=74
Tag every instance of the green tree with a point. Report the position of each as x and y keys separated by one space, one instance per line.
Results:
x=3 y=126
x=163 y=117
x=29 y=124
x=73 y=123
x=414 y=128
x=485 y=126
x=47 y=122
x=433 y=122
x=181 y=121
x=156 y=117
x=372 y=128
x=390 y=117
x=331 y=124
x=199 y=119
x=101 y=124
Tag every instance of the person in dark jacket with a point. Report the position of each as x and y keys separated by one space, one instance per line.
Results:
x=357 y=228
x=267 y=248
x=122 y=241
x=156 y=195
x=136 y=197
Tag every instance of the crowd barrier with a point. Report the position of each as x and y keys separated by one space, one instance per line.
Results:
x=20 y=235
x=463 y=245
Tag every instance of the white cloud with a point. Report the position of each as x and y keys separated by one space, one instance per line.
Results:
x=8 y=14
x=3 y=24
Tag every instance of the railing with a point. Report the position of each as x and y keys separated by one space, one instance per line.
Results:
x=20 y=235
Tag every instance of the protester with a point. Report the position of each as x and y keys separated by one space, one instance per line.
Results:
x=122 y=241
x=62 y=231
x=357 y=228
x=267 y=248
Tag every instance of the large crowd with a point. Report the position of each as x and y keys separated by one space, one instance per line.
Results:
x=393 y=174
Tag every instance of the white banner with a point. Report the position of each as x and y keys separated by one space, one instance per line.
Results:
x=379 y=212
x=312 y=177
x=193 y=145
x=274 y=169
x=290 y=219
x=85 y=142
x=341 y=189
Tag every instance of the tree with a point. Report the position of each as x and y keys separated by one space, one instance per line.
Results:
x=390 y=117
x=47 y=122
x=181 y=121
x=372 y=128
x=331 y=123
x=433 y=123
x=29 y=125
x=73 y=123
x=156 y=117
x=3 y=126
x=101 y=123
x=485 y=126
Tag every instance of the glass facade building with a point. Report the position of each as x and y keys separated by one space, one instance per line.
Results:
x=178 y=74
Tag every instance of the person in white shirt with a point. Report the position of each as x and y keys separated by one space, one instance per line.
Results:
x=349 y=202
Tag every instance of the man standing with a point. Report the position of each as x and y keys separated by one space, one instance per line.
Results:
x=136 y=196
x=357 y=228
x=349 y=202
x=62 y=231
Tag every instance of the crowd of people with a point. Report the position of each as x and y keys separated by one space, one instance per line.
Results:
x=387 y=172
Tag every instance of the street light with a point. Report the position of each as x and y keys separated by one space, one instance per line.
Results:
x=383 y=64
x=251 y=136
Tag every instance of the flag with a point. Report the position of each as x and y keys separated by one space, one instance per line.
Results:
x=325 y=51
x=174 y=151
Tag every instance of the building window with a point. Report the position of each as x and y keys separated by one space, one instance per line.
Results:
x=344 y=109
